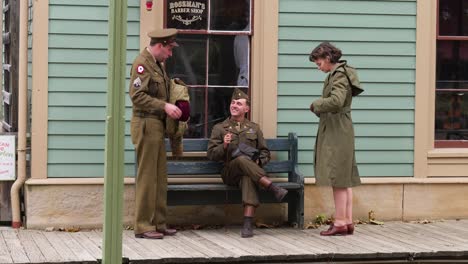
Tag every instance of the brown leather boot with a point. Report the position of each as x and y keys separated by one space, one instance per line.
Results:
x=247 y=228
x=279 y=192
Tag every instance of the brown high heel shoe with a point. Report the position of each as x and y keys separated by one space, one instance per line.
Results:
x=350 y=228
x=335 y=231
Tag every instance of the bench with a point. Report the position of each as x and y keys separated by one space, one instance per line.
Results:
x=219 y=193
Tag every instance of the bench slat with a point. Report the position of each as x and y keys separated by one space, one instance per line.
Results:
x=201 y=145
x=223 y=187
x=212 y=167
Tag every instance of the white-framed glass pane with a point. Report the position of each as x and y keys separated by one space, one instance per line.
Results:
x=230 y=15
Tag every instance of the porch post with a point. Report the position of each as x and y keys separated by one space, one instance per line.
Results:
x=115 y=137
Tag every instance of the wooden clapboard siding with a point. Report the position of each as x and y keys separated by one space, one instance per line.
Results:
x=378 y=38
x=78 y=43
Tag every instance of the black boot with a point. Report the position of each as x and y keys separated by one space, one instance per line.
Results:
x=279 y=192
x=247 y=229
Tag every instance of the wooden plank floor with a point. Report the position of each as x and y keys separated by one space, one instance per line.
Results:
x=393 y=241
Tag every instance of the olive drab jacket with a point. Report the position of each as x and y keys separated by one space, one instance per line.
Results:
x=250 y=134
x=334 y=157
x=149 y=85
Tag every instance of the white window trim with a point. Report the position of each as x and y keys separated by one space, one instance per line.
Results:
x=430 y=161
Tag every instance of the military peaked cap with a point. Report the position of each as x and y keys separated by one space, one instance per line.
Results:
x=165 y=36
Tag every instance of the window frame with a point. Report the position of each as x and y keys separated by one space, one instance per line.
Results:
x=208 y=32
x=447 y=143
x=431 y=162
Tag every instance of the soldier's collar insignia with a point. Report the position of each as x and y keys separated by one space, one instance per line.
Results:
x=140 y=69
x=137 y=82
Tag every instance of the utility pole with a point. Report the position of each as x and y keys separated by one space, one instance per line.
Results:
x=115 y=134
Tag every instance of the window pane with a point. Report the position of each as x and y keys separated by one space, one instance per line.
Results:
x=187 y=14
x=229 y=60
x=452 y=64
x=451 y=116
x=219 y=100
x=188 y=61
x=230 y=15
x=196 y=125
x=453 y=18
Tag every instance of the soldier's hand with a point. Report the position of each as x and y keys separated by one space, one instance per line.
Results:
x=172 y=111
x=227 y=140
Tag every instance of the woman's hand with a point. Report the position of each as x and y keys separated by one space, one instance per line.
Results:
x=312 y=110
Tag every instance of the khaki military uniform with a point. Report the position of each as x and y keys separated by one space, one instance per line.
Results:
x=240 y=171
x=149 y=92
x=335 y=161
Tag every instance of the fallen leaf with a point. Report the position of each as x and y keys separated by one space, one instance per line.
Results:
x=311 y=225
x=73 y=229
x=259 y=224
x=196 y=227
x=371 y=215
x=375 y=222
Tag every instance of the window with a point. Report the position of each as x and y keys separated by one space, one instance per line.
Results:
x=213 y=57
x=451 y=106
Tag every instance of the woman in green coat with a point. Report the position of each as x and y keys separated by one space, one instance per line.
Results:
x=334 y=158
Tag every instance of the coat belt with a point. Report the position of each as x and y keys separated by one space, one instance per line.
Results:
x=160 y=116
x=344 y=110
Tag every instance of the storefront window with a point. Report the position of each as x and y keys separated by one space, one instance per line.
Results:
x=213 y=57
x=451 y=124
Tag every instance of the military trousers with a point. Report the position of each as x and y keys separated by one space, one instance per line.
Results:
x=151 y=182
x=244 y=173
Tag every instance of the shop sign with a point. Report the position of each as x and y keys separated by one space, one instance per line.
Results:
x=187 y=14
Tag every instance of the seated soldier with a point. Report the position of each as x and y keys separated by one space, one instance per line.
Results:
x=243 y=170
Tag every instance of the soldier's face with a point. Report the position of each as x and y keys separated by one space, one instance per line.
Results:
x=238 y=108
x=324 y=64
x=162 y=52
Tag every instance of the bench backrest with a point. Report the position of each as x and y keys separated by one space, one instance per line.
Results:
x=186 y=168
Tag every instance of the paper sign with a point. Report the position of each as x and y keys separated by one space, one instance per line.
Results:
x=7 y=158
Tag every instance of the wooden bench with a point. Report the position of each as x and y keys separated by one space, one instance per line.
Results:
x=219 y=193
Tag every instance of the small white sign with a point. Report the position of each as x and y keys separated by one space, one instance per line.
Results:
x=7 y=158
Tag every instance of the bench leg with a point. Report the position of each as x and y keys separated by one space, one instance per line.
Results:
x=296 y=209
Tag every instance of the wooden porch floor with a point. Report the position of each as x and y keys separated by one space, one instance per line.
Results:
x=393 y=242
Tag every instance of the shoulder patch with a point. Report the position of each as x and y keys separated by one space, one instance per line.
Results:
x=137 y=83
x=140 y=69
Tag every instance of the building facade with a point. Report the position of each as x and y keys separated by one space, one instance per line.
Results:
x=411 y=56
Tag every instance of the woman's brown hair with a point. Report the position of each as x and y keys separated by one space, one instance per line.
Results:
x=324 y=50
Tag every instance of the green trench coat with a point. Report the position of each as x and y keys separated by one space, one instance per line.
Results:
x=334 y=158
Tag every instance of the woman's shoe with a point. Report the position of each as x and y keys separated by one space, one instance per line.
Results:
x=350 y=228
x=335 y=231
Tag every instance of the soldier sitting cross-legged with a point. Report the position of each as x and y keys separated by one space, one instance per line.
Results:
x=239 y=143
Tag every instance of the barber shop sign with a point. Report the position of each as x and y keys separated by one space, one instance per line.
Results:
x=186 y=14
x=7 y=158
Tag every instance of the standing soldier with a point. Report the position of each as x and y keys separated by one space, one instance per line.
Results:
x=239 y=143
x=149 y=92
